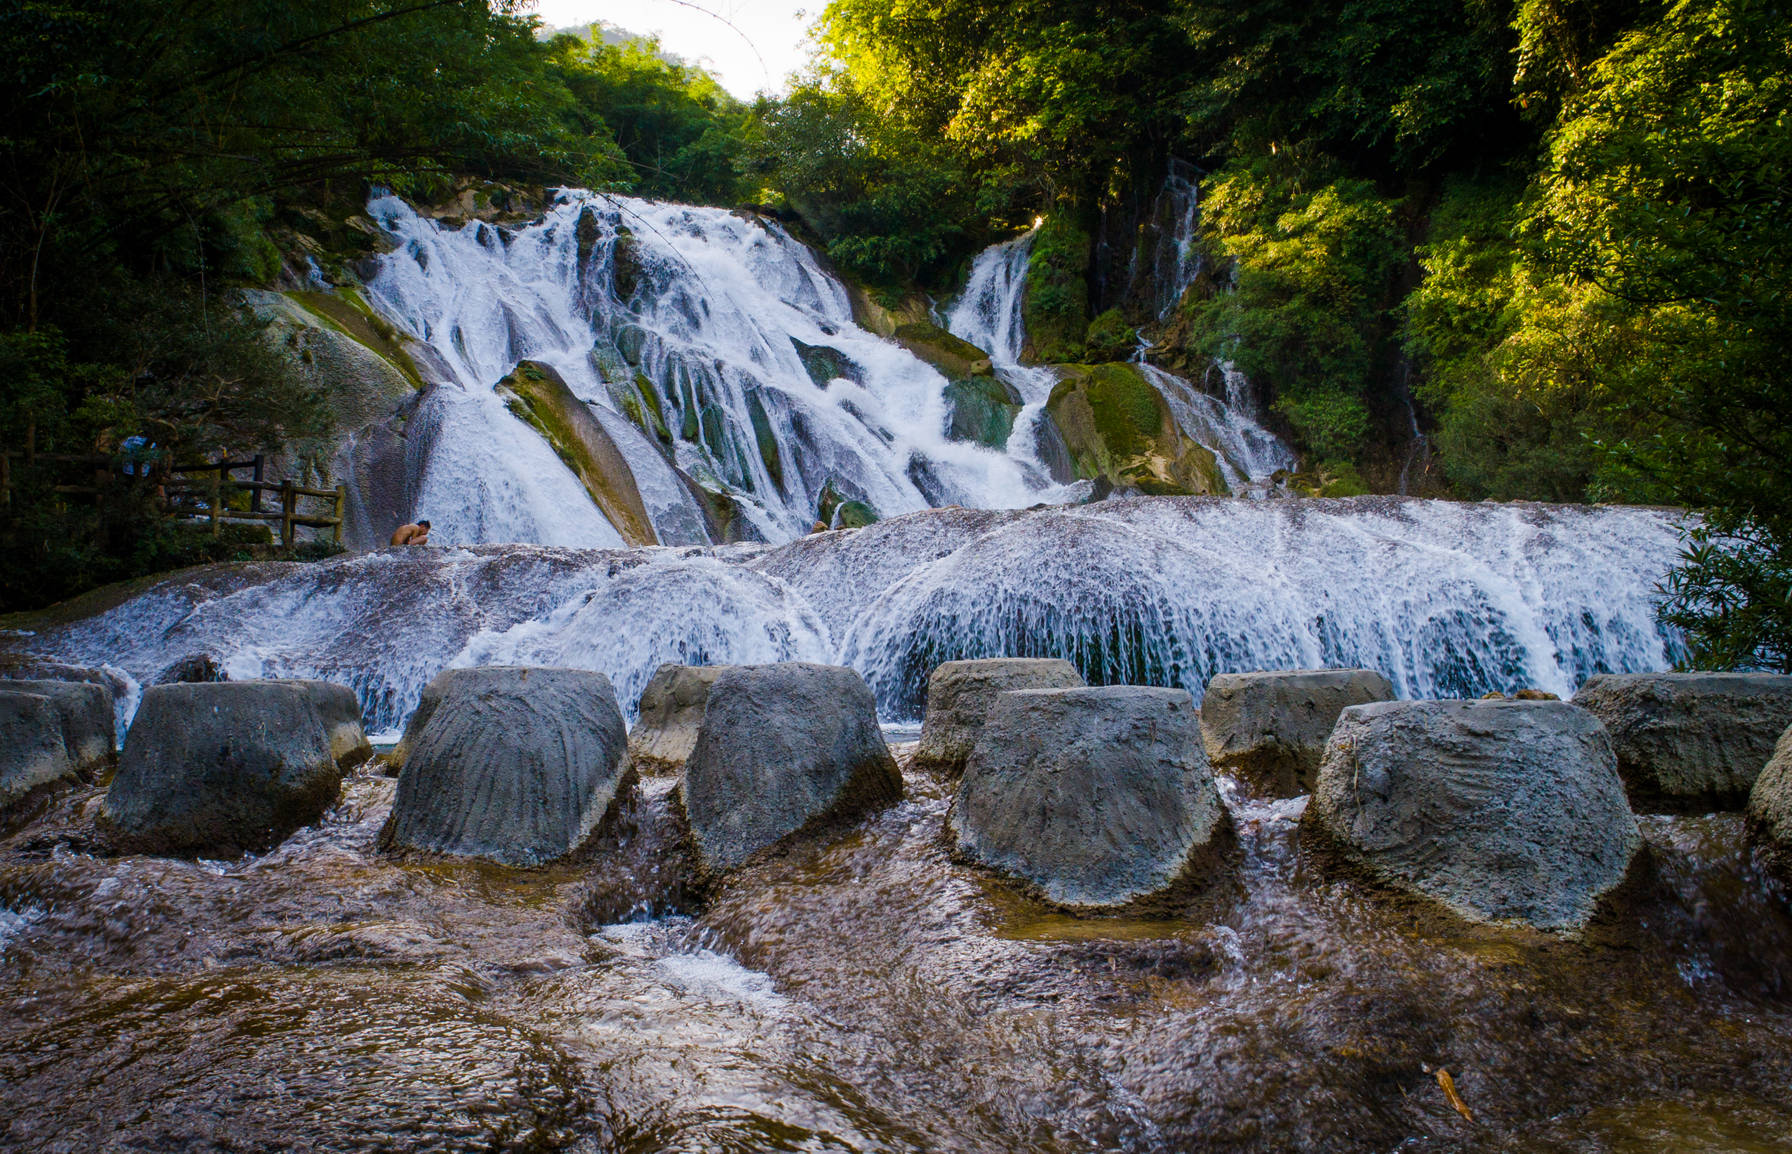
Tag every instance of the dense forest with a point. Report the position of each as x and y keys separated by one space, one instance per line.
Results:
x=1541 y=247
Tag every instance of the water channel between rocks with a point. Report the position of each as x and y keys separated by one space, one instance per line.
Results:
x=866 y=993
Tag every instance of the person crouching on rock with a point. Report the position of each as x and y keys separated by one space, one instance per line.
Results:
x=417 y=534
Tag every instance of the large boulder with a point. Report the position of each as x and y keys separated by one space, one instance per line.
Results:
x=221 y=768
x=1100 y=798
x=1690 y=741
x=33 y=754
x=87 y=721
x=960 y=693
x=783 y=748
x=1770 y=807
x=516 y=764
x=120 y=687
x=1271 y=728
x=1118 y=428
x=1504 y=811
x=341 y=713
x=670 y=717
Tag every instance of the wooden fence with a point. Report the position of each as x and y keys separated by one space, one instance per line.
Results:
x=200 y=492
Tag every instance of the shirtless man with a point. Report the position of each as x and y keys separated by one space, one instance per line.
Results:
x=417 y=534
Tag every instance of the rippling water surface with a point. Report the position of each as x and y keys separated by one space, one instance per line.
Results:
x=864 y=994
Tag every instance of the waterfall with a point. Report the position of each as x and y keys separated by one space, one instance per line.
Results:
x=1446 y=599
x=989 y=315
x=1175 y=261
x=1247 y=452
x=710 y=345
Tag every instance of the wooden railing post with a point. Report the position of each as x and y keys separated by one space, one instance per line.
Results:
x=255 y=493
x=341 y=503
x=288 y=503
x=217 y=498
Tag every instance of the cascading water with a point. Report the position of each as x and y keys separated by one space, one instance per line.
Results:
x=989 y=314
x=1446 y=599
x=1175 y=259
x=713 y=334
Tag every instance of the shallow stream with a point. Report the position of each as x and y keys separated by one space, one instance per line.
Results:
x=864 y=993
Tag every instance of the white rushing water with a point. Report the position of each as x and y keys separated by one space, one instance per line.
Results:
x=729 y=343
x=1447 y=599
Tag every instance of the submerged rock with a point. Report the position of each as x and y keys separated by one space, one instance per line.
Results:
x=1770 y=807
x=671 y=714
x=32 y=752
x=959 y=696
x=1690 y=741
x=783 y=748
x=1117 y=427
x=340 y=710
x=517 y=764
x=1500 y=810
x=221 y=769
x=1100 y=798
x=1271 y=728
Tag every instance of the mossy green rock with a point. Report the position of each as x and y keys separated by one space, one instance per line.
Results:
x=952 y=356
x=1117 y=426
x=1110 y=338
x=1056 y=309
x=839 y=510
x=983 y=410
x=538 y=395
x=823 y=364
x=639 y=401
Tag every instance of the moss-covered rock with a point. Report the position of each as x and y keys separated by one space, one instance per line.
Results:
x=1117 y=426
x=983 y=410
x=639 y=401
x=765 y=438
x=883 y=313
x=356 y=361
x=1110 y=338
x=538 y=395
x=625 y=264
x=824 y=364
x=1057 y=303
x=953 y=356
x=842 y=506
x=1326 y=479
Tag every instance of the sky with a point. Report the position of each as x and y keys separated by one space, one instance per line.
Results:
x=777 y=30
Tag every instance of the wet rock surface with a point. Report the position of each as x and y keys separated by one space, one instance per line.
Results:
x=1100 y=798
x=340 y=710
x=1690 y=741
x=1271 y=728
x=86 y=712
x=863 y=994
x=1770 y=807
x=959 y=696
x=670 y=716
x=517 y=765
x=783 y=748
x=220 y=769
x=1501 y=811
x=33 y=754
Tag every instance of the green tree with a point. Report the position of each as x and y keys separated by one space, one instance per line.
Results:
x=1666 y=190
